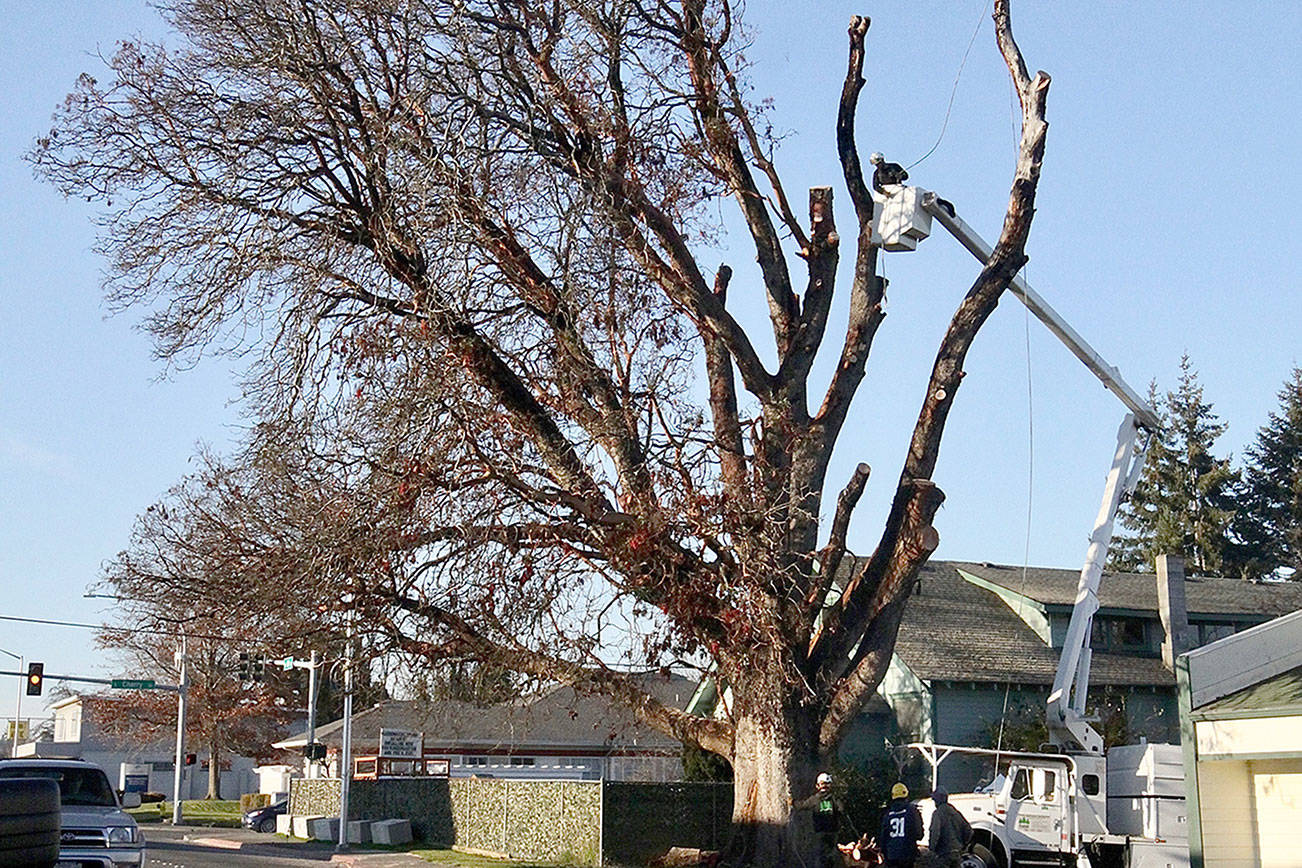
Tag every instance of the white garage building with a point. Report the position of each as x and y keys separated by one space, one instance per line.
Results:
x=1241 y=727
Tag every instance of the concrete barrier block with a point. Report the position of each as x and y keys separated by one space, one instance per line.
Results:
x=391 y=831
x=301 y=826
x=324 y=829
x=284 y=824
x=359 y=831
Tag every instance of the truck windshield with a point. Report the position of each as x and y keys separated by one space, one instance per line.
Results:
x=82 y=787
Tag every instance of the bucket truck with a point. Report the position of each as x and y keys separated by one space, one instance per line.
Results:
x=1072 y=804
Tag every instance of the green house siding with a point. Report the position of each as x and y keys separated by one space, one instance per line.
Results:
x=969 y=714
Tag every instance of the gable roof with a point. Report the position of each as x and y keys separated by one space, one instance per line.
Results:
x=561 y=719
x=1204 y=596
x=954 y=630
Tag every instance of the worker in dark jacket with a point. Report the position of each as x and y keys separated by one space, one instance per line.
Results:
x=826 y=809
x=887 y=177
x=901 y=830
x=950 y=830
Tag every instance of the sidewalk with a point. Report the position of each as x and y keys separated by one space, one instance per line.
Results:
x=255 y=843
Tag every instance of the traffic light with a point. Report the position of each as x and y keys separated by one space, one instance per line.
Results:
x=35 y=678
x=245 y=670
x=259 y=668
x=191 y=759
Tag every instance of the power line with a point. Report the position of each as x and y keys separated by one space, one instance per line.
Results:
x=84 y=626
x=954 y=91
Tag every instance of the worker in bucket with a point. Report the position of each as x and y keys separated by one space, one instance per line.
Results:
x=827 y=813
x=887 y=177
x=950 y=831
x=901 y=830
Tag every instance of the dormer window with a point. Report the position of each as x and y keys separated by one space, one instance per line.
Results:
x=1121 y=635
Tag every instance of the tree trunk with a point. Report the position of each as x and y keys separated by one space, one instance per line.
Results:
x=214 y=765
x=770 y=772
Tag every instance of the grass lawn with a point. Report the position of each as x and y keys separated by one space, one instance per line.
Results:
x=457 y=859
x=199 y=812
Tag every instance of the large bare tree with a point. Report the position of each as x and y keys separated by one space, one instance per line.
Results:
x=463 y=239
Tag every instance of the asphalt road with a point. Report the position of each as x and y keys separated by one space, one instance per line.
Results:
x=198 y=847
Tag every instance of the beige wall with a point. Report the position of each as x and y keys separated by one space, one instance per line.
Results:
x=1251 y=813
x=1225 y=799
x=1277 y=798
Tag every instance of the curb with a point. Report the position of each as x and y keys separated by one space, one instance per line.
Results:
x=223 y=843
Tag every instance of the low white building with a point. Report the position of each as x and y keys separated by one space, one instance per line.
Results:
x=558 y=735
x=1241 y=727
x=76 y=735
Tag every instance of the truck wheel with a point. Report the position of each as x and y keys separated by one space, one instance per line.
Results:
x=978 y=857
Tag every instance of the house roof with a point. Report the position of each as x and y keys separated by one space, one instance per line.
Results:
x=1205 y=596
x=561 y=719
x=954 y=630
x=1281 y=694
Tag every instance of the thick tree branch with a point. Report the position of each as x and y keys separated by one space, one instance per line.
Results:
x=723 y=401
x=908 y=537
x=722 y=142
x=831 y=555
x=846 y=148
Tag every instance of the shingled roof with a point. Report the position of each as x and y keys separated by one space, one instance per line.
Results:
x=1138 y=591
x=954 y=630
x=560 y=719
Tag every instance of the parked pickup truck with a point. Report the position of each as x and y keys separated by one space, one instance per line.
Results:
x=96 y=831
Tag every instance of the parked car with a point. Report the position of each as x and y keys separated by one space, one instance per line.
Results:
x=95 y=830
x=264 y=819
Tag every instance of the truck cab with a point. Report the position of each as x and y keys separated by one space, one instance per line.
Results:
x=1034 y=810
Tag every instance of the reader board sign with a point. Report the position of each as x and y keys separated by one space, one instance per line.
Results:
x=401 y=744
x=134 y=777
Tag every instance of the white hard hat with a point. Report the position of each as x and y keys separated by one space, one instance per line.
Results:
x=876 y=158
x=824 y=779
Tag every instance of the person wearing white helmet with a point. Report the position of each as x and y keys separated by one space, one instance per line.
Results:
x=827 y=813
x=887 y=175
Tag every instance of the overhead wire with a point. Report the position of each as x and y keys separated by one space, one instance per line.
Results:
x=108 y=628
x=954 y=90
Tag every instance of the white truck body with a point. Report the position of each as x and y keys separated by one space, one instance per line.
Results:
x=1064 y=809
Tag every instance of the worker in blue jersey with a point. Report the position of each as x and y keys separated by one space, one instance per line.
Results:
x=901 y=830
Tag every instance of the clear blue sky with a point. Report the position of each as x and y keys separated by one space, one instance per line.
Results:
x=1165 y=224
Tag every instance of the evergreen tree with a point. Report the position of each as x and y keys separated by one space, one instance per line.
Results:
x=1270 y=524
x=1185 y=501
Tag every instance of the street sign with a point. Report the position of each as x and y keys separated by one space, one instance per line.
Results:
x=287 y=663
x=132 y=684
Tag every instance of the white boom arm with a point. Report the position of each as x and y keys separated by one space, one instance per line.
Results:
x=1068 y=726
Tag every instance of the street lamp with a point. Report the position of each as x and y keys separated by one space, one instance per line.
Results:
x=18 y=709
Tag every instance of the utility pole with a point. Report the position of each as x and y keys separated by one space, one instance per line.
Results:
x=346 y=760
x=180 y=734
x=18 y=709
x=311 y=712
x=311 y=665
